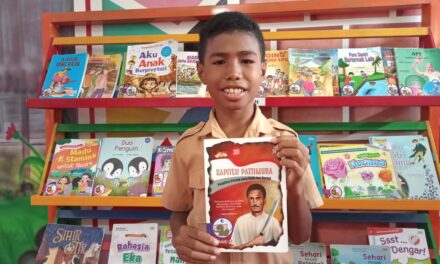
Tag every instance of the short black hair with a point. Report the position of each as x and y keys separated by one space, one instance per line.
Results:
x=256 y=186
x=229 y=22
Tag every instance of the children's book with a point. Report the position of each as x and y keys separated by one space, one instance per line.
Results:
x=188 y=80
x=418 y=71
x=73 y=167
x=407 y=245
x=245 y=187
x=124 y=167
x=358 y=171
x=310 y=72
x=361 y=72
x=361 y=254
x=150 y=70
x=133 y=243
x=414 y=164
x=64 y=76
x=70 y=244
x=390 y=70
x=162 y=165
x=167 y=252
x=276 y=80
x=311 y=142
x=101 y=76
x=309 y=253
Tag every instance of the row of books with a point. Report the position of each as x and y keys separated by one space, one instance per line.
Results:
x=160 y=70
x=107 y=167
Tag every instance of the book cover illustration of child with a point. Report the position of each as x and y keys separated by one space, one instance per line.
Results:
x=390 y=70
x=188 y=80
x=275 y=82
x=161 y=167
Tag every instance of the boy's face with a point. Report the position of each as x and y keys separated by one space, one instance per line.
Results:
x=232 y=70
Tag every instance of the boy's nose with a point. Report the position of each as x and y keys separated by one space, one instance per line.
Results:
x=234 y=71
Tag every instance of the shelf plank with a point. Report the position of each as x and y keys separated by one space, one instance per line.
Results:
x=381 y=204
x=96 y=201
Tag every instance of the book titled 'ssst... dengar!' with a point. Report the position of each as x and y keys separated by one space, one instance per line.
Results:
x=245 y=188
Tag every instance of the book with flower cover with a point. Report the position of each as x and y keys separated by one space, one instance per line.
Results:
x=311 y=142
x=70 y=244
x=162 y=165
x=73 y=167
x=360 y=254
x=407 y=245
x=167 y=252
x=188 y=81
x=358 y=171
x=275 y=82
x=414 y=163
x=309 y=253
x=245 y=188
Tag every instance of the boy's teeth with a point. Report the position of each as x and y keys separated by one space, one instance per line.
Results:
x=233 y=90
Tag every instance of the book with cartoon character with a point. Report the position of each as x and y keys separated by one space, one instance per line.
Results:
x=124 y=166
x=64 y=76
x=188 y=80
x=70 y=244
x=167 y=252
x=162 y=165
x=150 y=70
x=390 y=70
x=414 y=163
x=73 y=167
x=360 y=254
x=275 y=82
x=245 y=188
x=408 y=245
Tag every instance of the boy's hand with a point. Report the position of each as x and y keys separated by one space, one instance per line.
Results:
x=195 y=246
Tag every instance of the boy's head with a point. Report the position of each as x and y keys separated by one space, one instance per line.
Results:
x=229 y=22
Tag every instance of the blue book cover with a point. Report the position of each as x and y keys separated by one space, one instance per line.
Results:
x=311 y=142
x=361 y=254
x=64 y=76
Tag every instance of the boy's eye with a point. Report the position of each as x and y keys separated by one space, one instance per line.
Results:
x=247 y=61
x=218 y=62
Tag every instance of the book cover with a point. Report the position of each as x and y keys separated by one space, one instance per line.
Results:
x=124 y=166
x=167 y=252
x=73 y=167
x=390 y=70
x=310 y=72
x=276 y=80
x=358 y=171
x=64 y=76
x=311 y=142
x=361 y=72
x=150 y=70
x=70 y=244
x=245 y=187
x=133 y=243
x=418 y=71
x=162 y=165
x=309 y=253
x=414 y=164
x=101 y=76
x=407 y=245
x=188 y=80
x=360 y=254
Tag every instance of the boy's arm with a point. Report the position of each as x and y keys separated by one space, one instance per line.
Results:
x=299 y=215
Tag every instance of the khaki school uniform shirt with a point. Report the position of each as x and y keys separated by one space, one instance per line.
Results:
x=185 y=186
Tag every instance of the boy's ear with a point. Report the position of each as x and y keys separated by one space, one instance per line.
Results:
x=200 y=71
x=263 y=69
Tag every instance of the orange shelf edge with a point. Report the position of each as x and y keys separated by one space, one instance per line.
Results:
x=95 y=201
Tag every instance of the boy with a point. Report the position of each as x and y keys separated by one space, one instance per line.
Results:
x=231 y=54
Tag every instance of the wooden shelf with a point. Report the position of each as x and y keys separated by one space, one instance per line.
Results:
x=95 y=201
x=381 y=204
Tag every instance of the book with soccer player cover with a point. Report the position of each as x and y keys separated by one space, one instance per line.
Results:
x=245 y=187
x=309 y=253
x=188 y=80
x=358 y=171
x=64 y=76
x=167 y=252
x=133 y=243
x=73 y=167
x=311 y=142
x=407 y=245
x=101 y=76
x=162 y=165
x=150 y=70
x=70 y=244
x=124 y=166
x=276 y=80
x=414 y=163
x=360 y=254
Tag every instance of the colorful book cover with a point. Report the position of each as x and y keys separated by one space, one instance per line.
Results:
x=70 y=244
x=133 y=243
x=364 y=254
x=124 y=166
x=101 y=76
x=150 y=70
x=310 y=72
x=64 y=76
x=414 y=164
x=407 y=245
x=162 y=165
x=73 y=167
x=418 y=71
x=390 y=70
x=309 y=253
x=245 y=187
x=167 y=252
x=361 y=72
x=276 y=80
x=311 y=142
x=358 y=171
x=188 y=80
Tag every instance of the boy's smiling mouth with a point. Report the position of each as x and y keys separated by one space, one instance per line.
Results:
x=233 y=91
